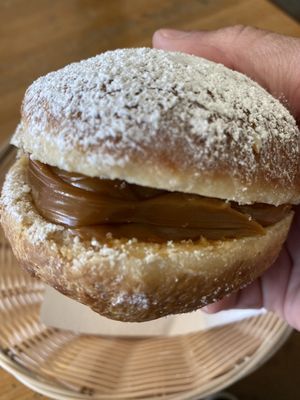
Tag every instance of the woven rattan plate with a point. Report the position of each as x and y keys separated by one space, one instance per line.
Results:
x=66 y=365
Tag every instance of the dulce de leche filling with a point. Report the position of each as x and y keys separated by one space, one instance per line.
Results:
x=94 y=207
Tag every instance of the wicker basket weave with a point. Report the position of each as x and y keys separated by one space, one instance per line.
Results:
x=66 y=365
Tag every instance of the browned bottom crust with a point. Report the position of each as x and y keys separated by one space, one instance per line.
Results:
x=130 y=280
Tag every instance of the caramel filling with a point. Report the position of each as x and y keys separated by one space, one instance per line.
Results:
x=94 y=207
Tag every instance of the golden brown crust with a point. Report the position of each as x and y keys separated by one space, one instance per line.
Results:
x=166 y=120
x=131 y=280
x=183 y=284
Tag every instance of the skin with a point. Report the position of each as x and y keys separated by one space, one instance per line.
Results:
x=273 y=61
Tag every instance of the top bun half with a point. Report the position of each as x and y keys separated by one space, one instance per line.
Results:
x=166 y=120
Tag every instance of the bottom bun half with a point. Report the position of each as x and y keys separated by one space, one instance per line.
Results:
x=129 y=280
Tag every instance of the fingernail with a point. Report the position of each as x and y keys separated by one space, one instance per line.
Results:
x=206 y=309
x=173 y=33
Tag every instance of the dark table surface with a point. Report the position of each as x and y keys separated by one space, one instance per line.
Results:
x=290 y=6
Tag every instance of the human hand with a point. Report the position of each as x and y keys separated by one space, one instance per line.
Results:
x=273 y=61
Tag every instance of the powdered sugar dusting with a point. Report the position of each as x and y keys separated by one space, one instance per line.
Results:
x=145 y=104
x=139 y=300
x=16 y=200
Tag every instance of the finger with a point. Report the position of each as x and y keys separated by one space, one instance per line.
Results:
x=293 y=239
x=267 y=291
x=226 y=303
x=192 y=43
x=249 y=297
x=291 y=299
x=270 y=59
x=275 y=283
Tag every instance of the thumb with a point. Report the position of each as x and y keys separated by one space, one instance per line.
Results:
x=270 y=59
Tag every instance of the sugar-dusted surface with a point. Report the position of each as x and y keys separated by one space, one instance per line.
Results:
x=166 y=120
x=127 y=279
